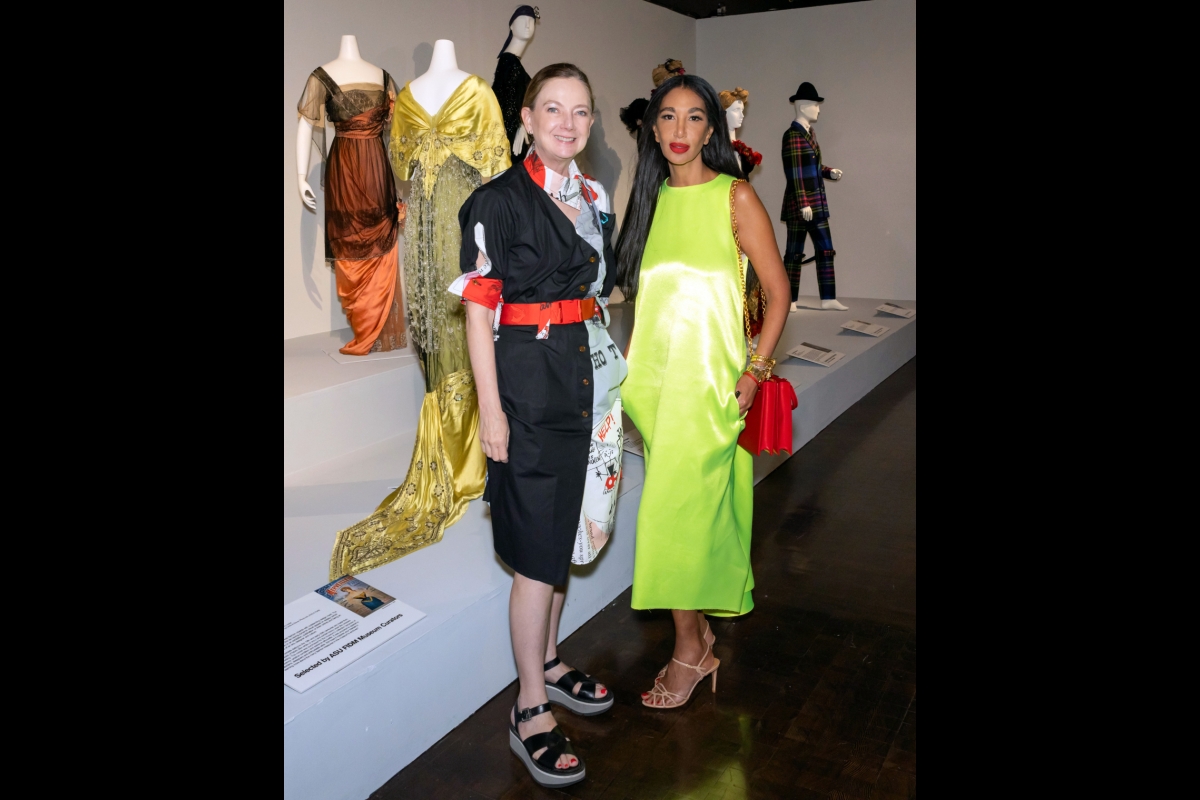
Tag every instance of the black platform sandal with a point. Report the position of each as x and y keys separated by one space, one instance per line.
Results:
x=585 y=703
x=543 y=769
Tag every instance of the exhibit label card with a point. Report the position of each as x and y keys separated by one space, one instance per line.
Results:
x=816 y=354
x=896 y=311
x=336 y=625
x=859 y=326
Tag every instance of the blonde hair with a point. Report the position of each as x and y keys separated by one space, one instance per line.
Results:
x=729 y=98
x=670 y=67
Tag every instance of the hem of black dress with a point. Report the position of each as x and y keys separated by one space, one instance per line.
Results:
x=565 y=574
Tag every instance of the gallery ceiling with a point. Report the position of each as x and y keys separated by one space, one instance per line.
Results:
x=703 y=9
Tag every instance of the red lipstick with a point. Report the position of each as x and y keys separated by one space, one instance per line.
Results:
x=680 y=147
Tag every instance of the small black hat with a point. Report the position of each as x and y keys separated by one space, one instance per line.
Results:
x=806 y=92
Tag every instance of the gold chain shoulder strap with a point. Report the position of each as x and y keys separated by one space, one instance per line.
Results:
x=737 y=243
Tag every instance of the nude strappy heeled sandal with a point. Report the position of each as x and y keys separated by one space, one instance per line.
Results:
x=662 y=673
x=660 y=698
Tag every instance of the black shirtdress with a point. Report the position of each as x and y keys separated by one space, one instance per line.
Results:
x=545 y=384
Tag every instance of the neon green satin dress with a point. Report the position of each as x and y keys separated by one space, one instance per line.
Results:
x=686 y=356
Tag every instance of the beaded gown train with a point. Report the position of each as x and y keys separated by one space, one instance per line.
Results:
x=685 y=358
x=445 y=155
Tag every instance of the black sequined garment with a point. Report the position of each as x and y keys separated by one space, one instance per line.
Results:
x=510 y=84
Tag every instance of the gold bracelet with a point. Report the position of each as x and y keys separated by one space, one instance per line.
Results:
x=759 y=373
x=763 y=361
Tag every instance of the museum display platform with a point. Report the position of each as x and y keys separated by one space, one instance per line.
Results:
x=348 y=436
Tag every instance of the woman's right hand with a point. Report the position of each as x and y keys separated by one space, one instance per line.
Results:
x=493 y=435
x=747 y=388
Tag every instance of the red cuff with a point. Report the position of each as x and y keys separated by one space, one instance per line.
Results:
x=484 y=291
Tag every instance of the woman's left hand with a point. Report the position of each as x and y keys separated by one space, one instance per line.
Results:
x=747 y=387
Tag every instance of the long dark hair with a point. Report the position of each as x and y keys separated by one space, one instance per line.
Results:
x=653 y=168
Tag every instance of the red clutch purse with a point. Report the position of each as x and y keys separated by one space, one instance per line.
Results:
x=769 y=420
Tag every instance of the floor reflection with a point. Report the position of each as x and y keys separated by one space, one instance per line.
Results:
x=817 y=689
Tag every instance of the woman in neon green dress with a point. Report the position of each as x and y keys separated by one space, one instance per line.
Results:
x=689 y=384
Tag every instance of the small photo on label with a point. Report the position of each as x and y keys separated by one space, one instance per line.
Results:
x=355 y=595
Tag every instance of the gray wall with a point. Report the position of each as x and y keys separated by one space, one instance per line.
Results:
x=616 y=42
x=862 y=57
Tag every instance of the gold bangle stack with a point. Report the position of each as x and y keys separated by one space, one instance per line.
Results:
x=760 y=367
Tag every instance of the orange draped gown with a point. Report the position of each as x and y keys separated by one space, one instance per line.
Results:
x=361 y=219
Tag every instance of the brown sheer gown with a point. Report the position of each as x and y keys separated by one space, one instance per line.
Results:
x=361 y=220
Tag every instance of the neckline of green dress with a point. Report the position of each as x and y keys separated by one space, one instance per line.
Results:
x=695 y=185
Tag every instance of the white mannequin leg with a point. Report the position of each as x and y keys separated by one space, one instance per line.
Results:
x=830 y=305
x=793 y=309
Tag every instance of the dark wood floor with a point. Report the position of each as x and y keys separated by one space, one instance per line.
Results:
x=817 y=692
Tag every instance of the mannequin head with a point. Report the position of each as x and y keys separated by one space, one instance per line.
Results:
x=632 y=115
x=807 y=109
x=520 y=30
x=734 y=115
x=557 y=113
x=807 y=103
x=734 y=104
x=667 y=69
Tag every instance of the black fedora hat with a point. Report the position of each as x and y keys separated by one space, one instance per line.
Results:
x=806 y=92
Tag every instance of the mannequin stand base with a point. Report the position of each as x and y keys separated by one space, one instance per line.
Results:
x=826 y=305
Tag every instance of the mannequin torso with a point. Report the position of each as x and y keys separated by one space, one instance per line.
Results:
x=806 y=114
x=347 y=68
x=434 y=88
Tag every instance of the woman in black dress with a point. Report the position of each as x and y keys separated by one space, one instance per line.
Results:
x=537 y=243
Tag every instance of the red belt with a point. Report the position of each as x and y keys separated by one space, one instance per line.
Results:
x=561 y=312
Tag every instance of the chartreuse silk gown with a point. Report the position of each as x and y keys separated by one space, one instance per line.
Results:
x=445 y=156
x=686 y=356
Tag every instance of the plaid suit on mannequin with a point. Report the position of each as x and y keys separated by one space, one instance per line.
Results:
x=806 y=187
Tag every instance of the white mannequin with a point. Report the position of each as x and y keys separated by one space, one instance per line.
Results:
x=806 y=115
x=522 y=34
x=347 y=68
x=734 y=116
x=434 y=88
